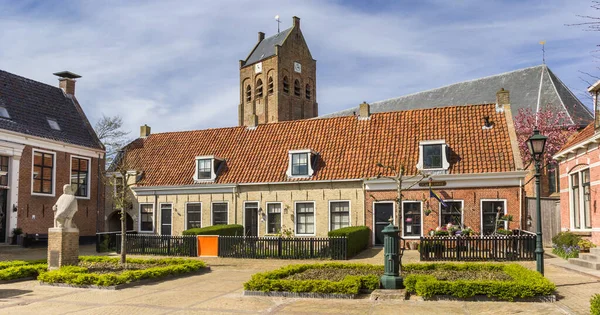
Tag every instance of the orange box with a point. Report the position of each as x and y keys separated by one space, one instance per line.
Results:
x=208 y=245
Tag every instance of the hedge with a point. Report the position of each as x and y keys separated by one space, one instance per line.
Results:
x=357 y=238
x=221 y=229
x=275 y=280
x=595 y=304
x=525 y=284
x=77 y=275
x=22 y=271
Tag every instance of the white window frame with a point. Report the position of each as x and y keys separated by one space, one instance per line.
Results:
x=310 y=154
x=89 y=175
x=244 y=215
x=445 y=163
x=481 y=213
x=373 y=217
x=154 y=219
x=213 y=175
x=185 y=218
x=267 y=214
x=53 y=194
x=349 y=212
x=402 y=218
x=212 y=209
x=581 y=201
x=462 y=211
x=159 y=218
x=296 y=218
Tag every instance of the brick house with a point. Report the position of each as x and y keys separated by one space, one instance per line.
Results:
x=579 y=163
x=46 y=142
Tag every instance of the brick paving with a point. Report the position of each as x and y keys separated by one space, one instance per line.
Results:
x=220 y=292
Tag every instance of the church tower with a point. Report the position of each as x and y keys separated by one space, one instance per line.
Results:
x=278 y=79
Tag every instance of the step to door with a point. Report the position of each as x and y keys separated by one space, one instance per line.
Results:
x=590 y=257
x=585 y=263
x=595 y=251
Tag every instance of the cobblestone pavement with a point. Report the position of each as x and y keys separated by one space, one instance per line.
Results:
x=220 y=292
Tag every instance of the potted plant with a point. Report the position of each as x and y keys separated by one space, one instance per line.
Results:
x=502 y=231
x=585 y=245
x=16 y=236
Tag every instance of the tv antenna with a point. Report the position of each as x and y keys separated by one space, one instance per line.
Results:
x=543 y=43
x=278 y=22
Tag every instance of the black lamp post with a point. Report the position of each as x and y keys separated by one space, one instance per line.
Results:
x=536 y=144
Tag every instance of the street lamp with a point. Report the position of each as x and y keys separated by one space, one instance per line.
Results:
x=536 y=144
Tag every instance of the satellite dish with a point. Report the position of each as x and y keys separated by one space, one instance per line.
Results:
x=277 y=17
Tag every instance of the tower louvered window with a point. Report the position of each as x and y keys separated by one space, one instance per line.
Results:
x=308 y=92
x=270 y=85
x=259 y=88
x=297 y=88
x=248 y=93
x=286 y=85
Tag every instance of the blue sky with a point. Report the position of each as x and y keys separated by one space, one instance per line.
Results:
x=174 y=64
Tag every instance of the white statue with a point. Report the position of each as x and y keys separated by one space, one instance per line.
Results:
x=65 y=209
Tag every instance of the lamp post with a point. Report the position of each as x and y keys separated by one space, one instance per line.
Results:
x=536 y=144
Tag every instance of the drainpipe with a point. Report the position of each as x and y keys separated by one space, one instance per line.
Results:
x=235 y=193
x=364 y=207
x=98 y=196
x=155 y=213
x=520 y=204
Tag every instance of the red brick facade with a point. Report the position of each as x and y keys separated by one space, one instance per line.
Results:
x=41 y=206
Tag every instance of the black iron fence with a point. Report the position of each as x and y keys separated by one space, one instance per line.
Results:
x=107 y=241
x=478 y=248
x=284 y=248
x=164 y=245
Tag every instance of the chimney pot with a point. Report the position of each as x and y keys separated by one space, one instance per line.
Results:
x=296 y=21
x=67 y=81
x=144 y=131
x=261 y=36
x=364 y=110
x=502 y=99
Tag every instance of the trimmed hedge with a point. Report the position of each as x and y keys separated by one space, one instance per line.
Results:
x=221 y=230
x=19 y=269
x=274 y=280
x=525 y=284
x=357 y=238
x=80 y=276
x=595 y=304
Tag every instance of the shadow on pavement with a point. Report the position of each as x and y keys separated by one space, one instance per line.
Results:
x=4 y=294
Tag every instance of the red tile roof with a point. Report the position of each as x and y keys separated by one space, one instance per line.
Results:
x=581 y=136
x=348 y=148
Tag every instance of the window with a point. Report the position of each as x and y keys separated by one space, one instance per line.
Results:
x=4 y=112
x=305 y=218
x=432 y=156
x=270 y=85
x=43 y=172
x=491 y=211
x=204 y=168
x=219 y=213
x=146 y=217
x=299 y=164
x=340 y=214
x=297 y=88
x=53 y=123
x=80 y=173
x=552 y=179
x=580 y=199
x=273 y=218
x=3 y=170
x=451 y=213
x=248 y=93
x=193 y=215
x=308 y=92
x=411 y=217
x=259 y=88
x=286 y=85
x=166 y=218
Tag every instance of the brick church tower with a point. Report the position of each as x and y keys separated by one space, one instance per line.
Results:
x=278 y=79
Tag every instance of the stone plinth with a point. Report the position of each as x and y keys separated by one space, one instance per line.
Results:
x=388 y=295
x=63 y=247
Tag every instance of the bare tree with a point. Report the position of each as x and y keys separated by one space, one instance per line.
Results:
x=111 y=134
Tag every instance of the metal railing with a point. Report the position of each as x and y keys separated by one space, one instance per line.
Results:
x=163 y=245
x=107 y=241
x=478 y=248
x=283 y=248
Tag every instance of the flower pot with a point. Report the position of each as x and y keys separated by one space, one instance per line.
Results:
x=413 y=245
x=20 y=239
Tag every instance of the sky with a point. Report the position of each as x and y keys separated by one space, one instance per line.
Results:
x=174 y=65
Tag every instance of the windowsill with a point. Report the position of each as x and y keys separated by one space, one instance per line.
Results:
x=200 y=181
x=411 y=237
x=582 y=232
x=42 y=195
x=146 y=232
x=82 y=198
x=296 y=234
x=299 y=176
x=433 y=169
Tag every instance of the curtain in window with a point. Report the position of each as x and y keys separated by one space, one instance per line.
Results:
x=305 y=218
x=340 y=215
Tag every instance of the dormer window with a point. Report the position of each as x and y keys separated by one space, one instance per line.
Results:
x=432 y=156
x=207 y=168
x=301 y=163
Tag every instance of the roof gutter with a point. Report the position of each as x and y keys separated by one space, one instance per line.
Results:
x=581 y=145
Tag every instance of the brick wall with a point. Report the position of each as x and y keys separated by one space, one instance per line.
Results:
x=41 y=206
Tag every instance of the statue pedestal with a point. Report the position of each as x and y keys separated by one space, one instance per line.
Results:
x=63 y=247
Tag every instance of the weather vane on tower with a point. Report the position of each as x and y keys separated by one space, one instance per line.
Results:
x=543 y=43
x=278 y=22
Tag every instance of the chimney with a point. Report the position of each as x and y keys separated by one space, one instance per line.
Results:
x=261 y=36
x=67 y=81
x=502 y=100
x=296 y=21
x=364 y=111
x=144 y=131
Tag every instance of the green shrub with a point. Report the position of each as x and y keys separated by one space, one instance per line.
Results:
x=17 y=269
x=357 y=238
x=595 y=305
x=566 y=239
x=526 y=283
x=221 y=229
x=77 y=275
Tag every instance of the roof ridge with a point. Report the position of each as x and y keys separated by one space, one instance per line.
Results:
x=461 y=82
x=28 y=79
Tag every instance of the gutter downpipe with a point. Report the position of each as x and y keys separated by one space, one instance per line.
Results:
x=364 y=207
x=235 y=199
x=520 y=204
x=98 y=196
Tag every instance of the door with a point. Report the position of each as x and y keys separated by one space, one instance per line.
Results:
x=383 y=213
x=165 y=219
x=3 y=214
x=251 y=219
